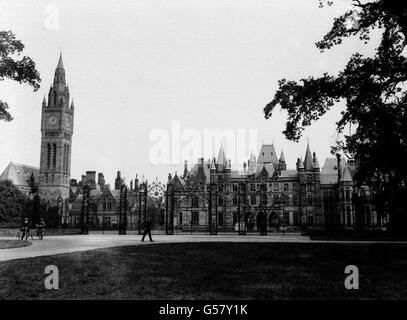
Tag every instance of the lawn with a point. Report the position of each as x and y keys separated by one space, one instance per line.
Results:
x=213 y=271
x=7 y=244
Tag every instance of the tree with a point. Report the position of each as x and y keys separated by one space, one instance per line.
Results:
x=375 y=95
x=12 y=204
x=15 y=67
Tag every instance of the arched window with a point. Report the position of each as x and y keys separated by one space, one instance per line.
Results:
x=54 y=156
x=48 y=155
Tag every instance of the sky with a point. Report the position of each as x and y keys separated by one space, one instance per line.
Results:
x=138 y=69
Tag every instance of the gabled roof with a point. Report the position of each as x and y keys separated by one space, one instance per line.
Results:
x=329 y=173
x=115 y=193
x=346 y=176
x=268 y=167
x=268 y=154
x=263 y=173
x=331 y=166
x=178 y=182
x=19 y=174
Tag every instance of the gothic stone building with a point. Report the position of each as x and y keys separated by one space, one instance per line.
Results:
x=56 y=140
x=266 y=193
x=104 y=203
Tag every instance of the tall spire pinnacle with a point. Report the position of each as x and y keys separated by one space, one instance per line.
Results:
x=308 y=160
x=58 y=95
x=60 y=63
x=221 y=156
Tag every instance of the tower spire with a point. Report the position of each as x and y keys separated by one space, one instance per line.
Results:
x=60 y=63
x=308 y=160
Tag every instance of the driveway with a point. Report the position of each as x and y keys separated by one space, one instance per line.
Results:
x=52 y=245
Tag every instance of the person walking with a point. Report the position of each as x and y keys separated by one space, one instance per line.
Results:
x=41 y=227
x=25 y=229
x=147 y=230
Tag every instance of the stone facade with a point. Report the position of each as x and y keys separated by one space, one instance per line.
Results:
x=104 y=204
x=56 y=141
x=266 y=193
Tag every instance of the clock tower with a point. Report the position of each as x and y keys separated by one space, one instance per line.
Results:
x=56 y=140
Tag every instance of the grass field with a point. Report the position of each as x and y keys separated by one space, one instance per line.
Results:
x=213 y=271
x=7 y=244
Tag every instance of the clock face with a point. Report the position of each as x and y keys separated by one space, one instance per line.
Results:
x=52 y=120
x=156 y=193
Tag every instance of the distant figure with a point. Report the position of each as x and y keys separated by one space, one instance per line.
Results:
x=25 y=229
x=41 y=227
x=147 y=230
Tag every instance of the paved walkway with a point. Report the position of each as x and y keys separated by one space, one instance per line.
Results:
x=52 y=245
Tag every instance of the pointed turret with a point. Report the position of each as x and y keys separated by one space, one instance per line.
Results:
x=308 y=161
x=281 y=163
x=221 y=158
x=44 y=102
x=72 y=105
